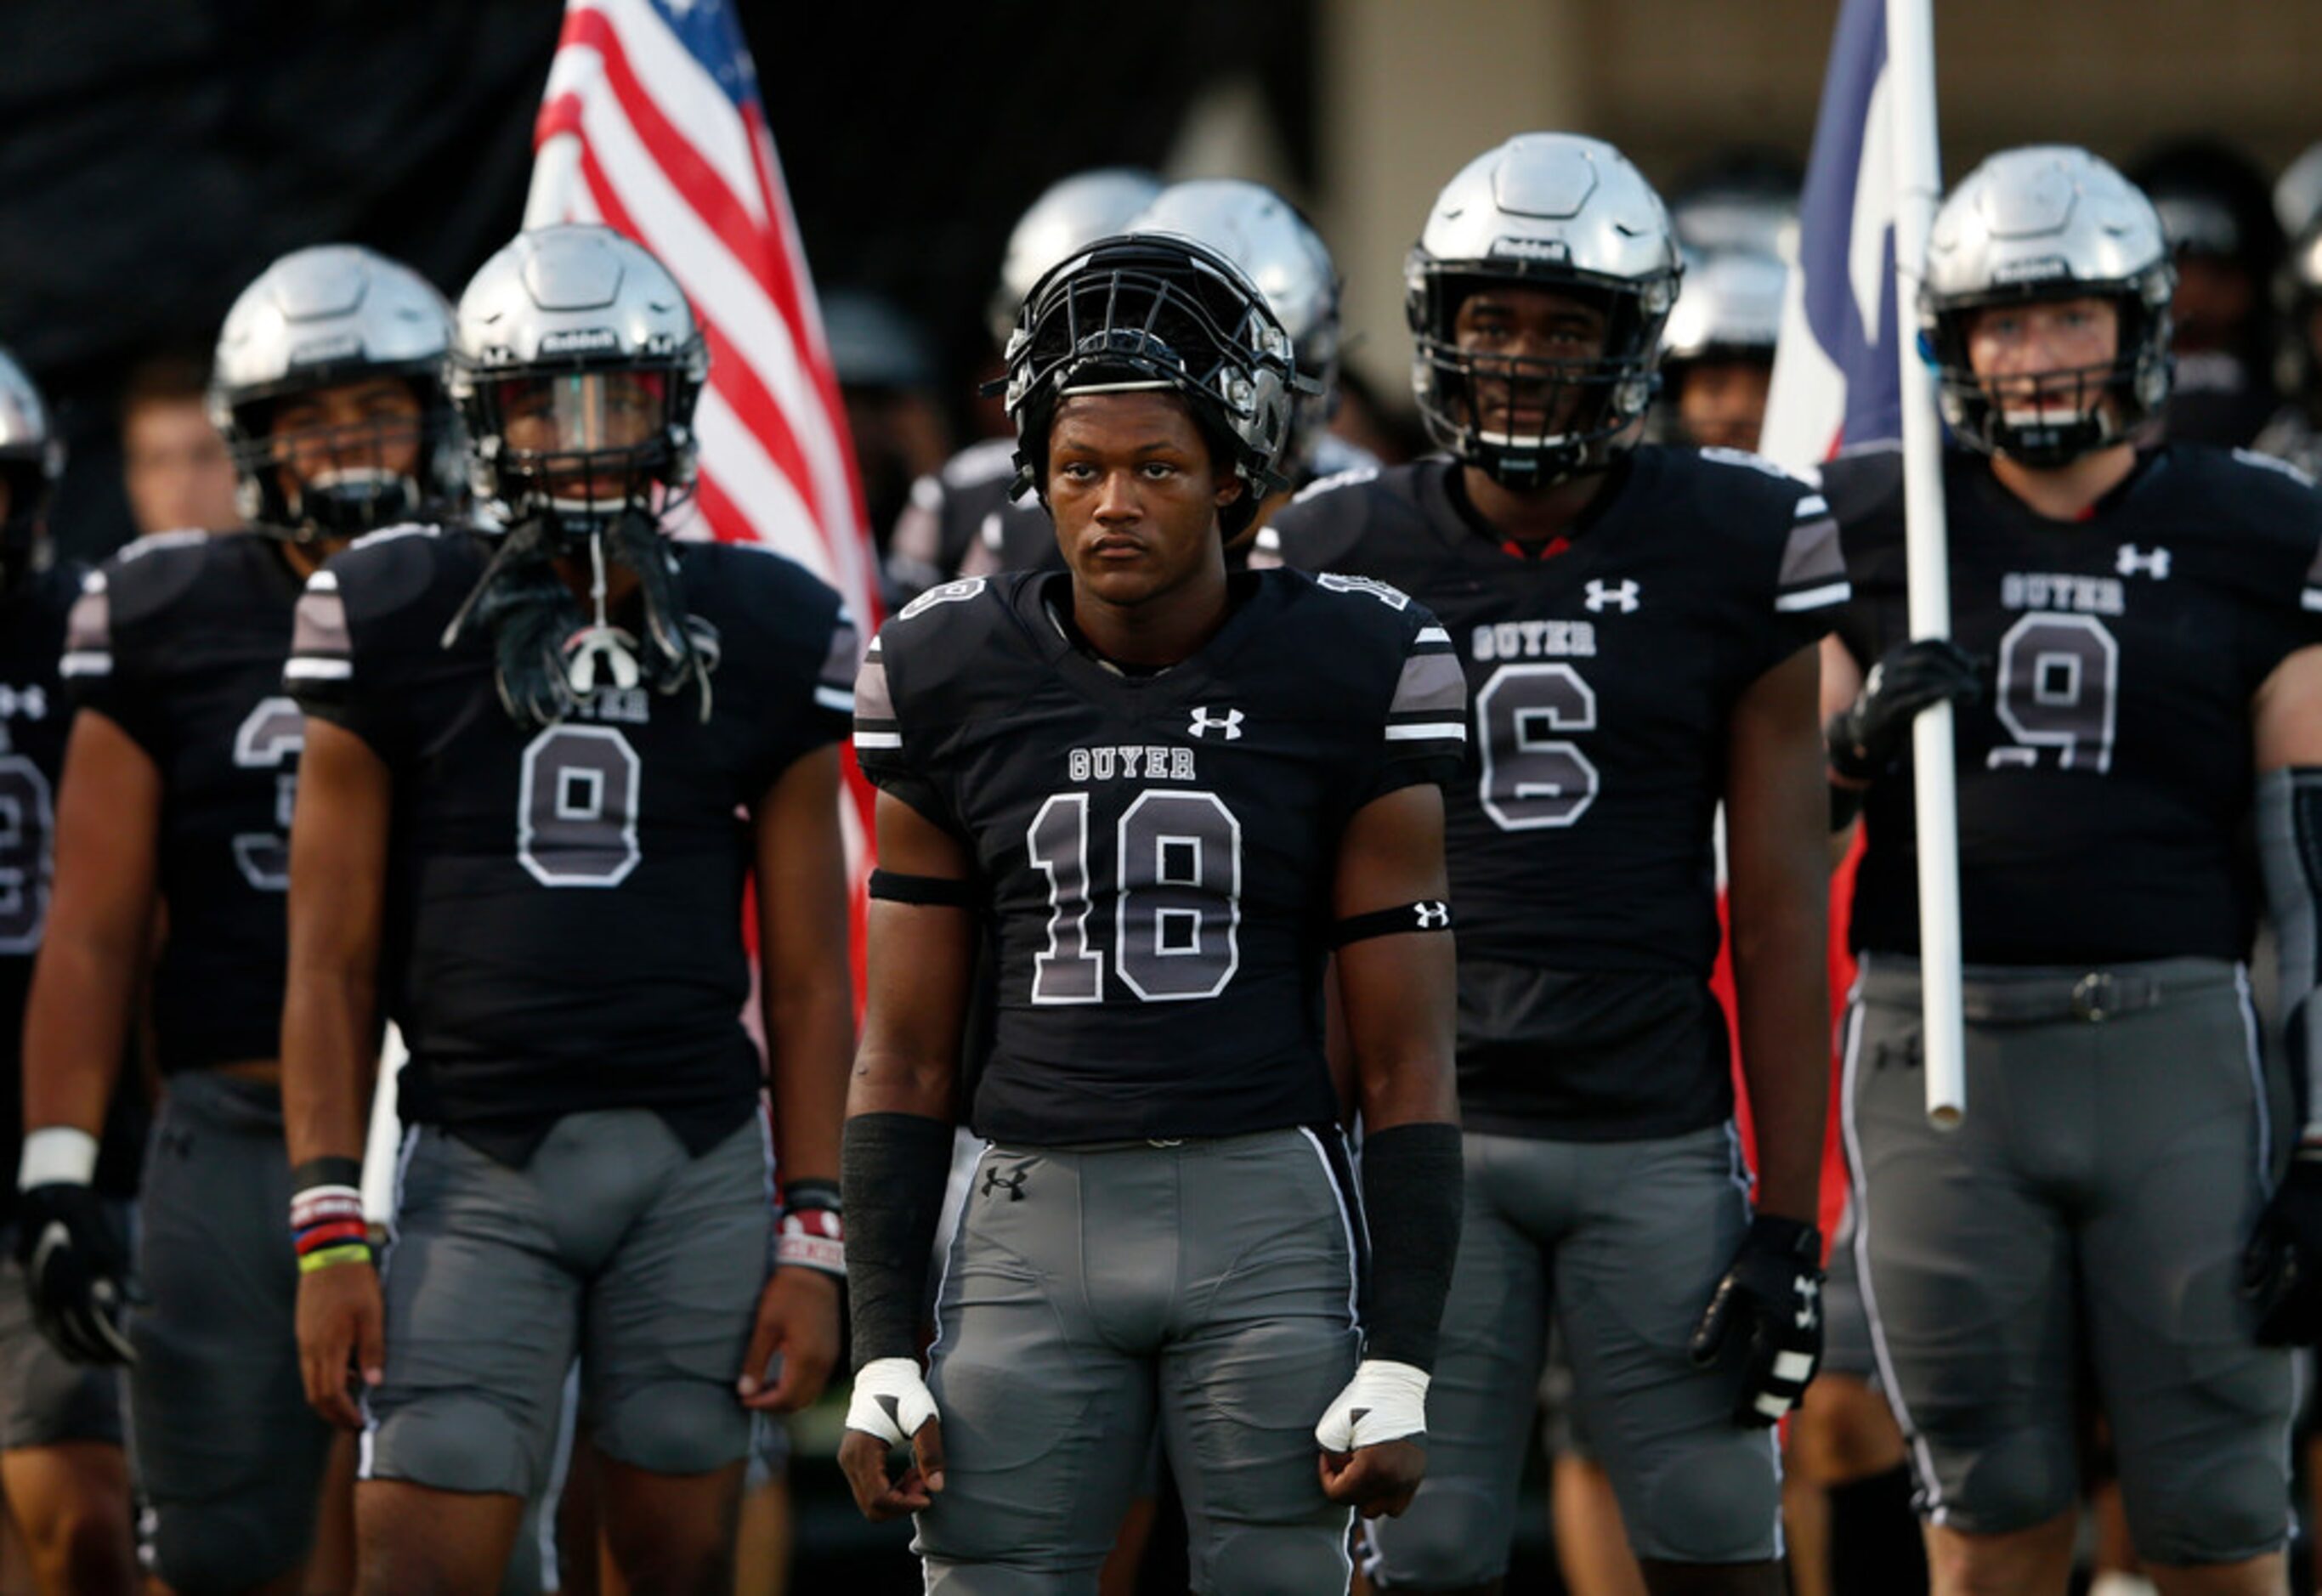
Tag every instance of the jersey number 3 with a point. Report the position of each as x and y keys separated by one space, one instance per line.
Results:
x=1177 y=914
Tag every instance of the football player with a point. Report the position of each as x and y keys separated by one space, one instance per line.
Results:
x=968 y=502
x=61 y=1463
x=1717 y=352
x=1131 y=770
x=1280 y=252
x=2295 y=431
x=2218 y=217
x=177 y=795
x=2132 y=657
x=1637 y=624
x=543 y=767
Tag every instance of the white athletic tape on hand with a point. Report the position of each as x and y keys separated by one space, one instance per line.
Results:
x=890 y=1400
x=57 y=1156
x=1384 y=1401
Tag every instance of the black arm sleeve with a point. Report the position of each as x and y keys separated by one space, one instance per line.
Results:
x=892 y=1169
x=1411 y=1198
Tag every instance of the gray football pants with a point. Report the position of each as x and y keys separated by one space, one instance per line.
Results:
x=1624 y=1242
x=2092 y=1212
x=1208 y=1288
x=228 y=1455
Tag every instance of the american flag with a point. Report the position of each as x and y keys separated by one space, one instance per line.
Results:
x=653 y=125
x=1836 y=379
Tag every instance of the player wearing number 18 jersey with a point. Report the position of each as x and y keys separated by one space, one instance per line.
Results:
x=2133 y=659
x=1164 y=788
x=1637 y=626
x=177 y=795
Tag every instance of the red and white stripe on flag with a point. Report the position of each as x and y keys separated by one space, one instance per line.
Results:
x=652 y=123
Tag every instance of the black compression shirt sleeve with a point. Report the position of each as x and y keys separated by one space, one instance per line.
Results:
x=1412 y=1199
x=892 y=1171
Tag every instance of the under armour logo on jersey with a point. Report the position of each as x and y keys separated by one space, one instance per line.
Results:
x=1205 y=723
x=1432 y=917
x=2132 y=562
x=31 y=702
x=1013 y=1184
x=1603 y=597
x=1809 y=1291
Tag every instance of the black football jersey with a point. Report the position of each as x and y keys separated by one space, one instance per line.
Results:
x=34 y=717
x=1157 y=851
x=2104 y=780
x=1581 y=835
x=179 y=639
x=565 y=905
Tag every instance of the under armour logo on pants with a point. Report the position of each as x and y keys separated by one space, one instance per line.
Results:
x=1013 y=1183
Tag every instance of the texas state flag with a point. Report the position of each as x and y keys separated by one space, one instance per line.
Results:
x=1836 y=371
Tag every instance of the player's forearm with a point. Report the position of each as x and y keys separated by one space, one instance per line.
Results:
x=809 y=1037
x=1401 y=1016
x=77 y=1028
x=328 y=1064
x=1781 y=989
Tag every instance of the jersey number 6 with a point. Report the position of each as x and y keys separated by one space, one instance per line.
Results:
x=1177 y=914
x=1534 y=777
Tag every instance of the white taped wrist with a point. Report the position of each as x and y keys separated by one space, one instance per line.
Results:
x=890 y=1400
x=57 y=1156
x=1384 y=1401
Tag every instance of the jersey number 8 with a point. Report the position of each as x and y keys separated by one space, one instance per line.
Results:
x=1177 y=914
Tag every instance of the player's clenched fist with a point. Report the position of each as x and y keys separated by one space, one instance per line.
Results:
x=891 y=1407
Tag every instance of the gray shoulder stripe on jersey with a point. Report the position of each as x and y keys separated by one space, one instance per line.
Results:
x=839 y=662
x=85 y=662
x=878 y=740
x=153 y=542
x=2273 y=462
x=89 y=627
x=318 y=627
x=1812 y=554
x=1820 y=598
x=388 y=535
x=1434 y=731
x=872 y=700
x=1346 y=478
x=1430 y=684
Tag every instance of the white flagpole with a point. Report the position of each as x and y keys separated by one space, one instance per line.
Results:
x=555 y=179
x=1918 y=187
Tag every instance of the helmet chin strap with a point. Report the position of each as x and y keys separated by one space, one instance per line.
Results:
x=601 y=640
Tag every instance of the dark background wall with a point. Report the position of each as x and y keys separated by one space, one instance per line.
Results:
x=156 y=154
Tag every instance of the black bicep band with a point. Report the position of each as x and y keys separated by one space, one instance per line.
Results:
x=1430 y=914
x=928 y=891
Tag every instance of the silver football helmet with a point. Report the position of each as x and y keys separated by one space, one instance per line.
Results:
x=1280 y=252
x=2049 y=221
x=2297 y=192
x=1554 y=211
x=323 y=317
x=1071 y=213
x=1157 y=311
x=576 y=365
x=1731 y=309
x=31 y=458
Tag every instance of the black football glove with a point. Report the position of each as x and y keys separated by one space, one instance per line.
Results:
x=1867 y=736
x=75 y=1262
x=2281 y=1269
x=1767 y=1314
